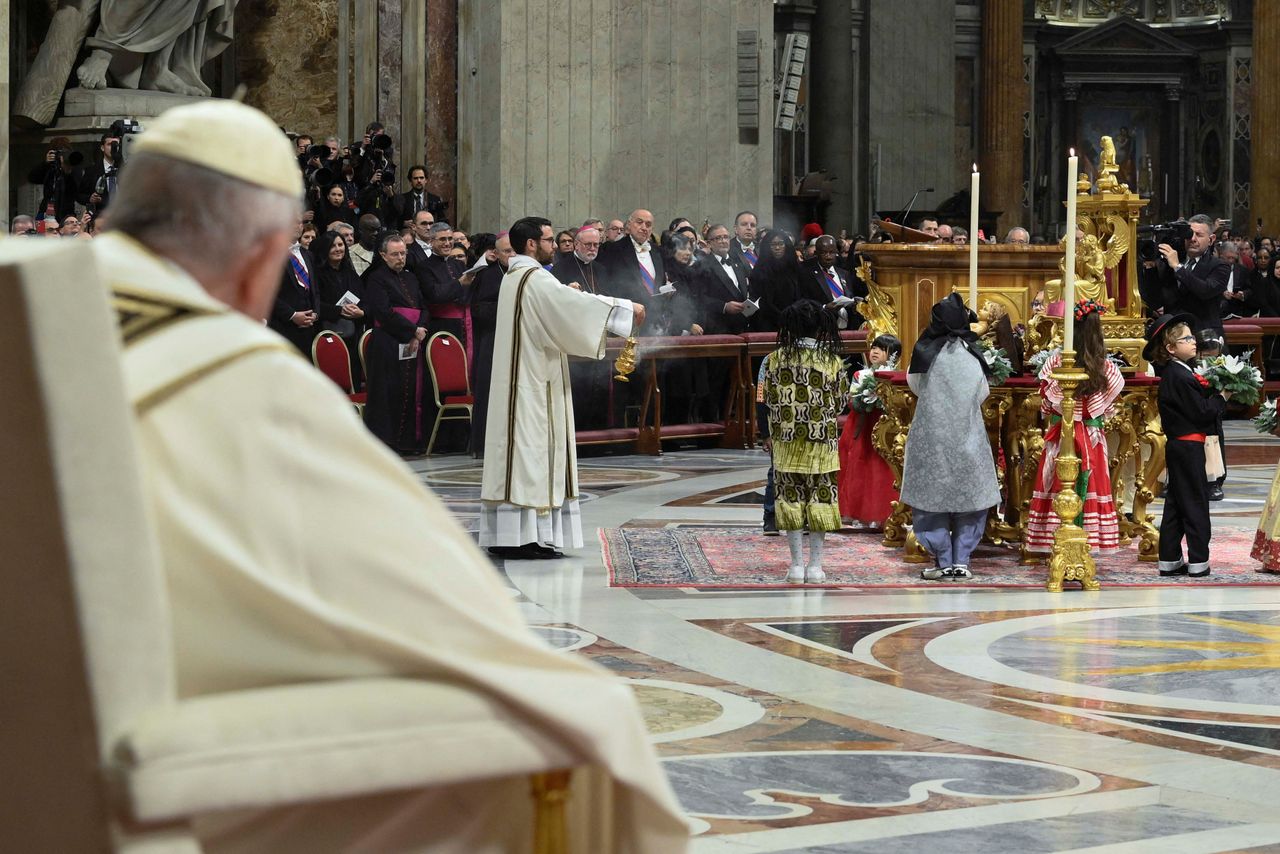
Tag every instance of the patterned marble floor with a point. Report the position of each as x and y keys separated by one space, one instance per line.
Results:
x=949 y=720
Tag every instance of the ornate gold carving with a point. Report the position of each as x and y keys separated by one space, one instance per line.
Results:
x=879 y=311
x=1107 y=167
x=1070 y=559
x=889 y=437
x=625 y=364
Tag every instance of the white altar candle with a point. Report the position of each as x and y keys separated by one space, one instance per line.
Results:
x=973 y=240
x=1069 y=265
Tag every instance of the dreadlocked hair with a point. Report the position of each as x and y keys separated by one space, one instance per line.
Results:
x=807 y=319
x=1091 y=353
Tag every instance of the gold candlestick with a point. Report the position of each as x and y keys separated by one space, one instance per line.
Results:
x=1070 y=559
x=626 y=361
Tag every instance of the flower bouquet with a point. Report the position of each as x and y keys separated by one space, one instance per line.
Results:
x=1266 y=420
x=998 y=361
x=864 y=397
x=1234 y=374
x=1037 y=362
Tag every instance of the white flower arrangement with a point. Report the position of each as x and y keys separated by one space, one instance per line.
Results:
x=998 y=361
x=1265 y=422
x=864 y=397
x=1234 y=374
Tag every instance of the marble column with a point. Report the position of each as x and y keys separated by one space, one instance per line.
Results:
x=1003 y=97
x=1265 y=133
x=440 y=132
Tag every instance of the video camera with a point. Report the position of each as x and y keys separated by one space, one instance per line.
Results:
x=1176 y=234
x=124 y=131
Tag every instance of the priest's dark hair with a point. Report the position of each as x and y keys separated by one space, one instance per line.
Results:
x=526 y=229
x=805 y=318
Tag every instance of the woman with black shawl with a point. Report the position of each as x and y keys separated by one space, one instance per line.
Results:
x=948 y=474
x=776 y=280
x=335 y=278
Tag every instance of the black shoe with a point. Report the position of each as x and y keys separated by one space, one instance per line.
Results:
x=770 y=525
x=1199 y=573
x=544 y=552
x=1181 y=569
x=1215 y=493
x=529 y=551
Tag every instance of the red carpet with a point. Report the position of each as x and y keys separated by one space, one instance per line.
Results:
x=744 y=558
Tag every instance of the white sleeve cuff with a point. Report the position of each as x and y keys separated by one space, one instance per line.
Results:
x=621 y=319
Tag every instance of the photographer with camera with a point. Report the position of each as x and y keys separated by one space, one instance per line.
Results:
x=1180 y=274
x=61 y=175
x=99 y=181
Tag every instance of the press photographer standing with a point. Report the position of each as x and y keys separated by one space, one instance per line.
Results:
x=99 y=182
x=61 y=176
x=1194 y=285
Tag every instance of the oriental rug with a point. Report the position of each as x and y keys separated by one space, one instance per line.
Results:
x=743 y=558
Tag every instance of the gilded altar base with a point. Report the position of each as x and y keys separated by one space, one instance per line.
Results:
x=1015 y=430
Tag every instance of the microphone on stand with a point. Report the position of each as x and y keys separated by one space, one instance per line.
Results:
x=907 y=211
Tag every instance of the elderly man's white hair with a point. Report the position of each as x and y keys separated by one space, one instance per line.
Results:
x=185 y=212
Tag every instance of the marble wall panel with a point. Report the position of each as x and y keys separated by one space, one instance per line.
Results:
x=286 y=54
x=390 y=22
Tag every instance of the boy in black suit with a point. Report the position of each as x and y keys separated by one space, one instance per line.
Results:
x=1189 y=411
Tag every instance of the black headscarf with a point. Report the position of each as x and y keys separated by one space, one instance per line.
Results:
x=950 y=322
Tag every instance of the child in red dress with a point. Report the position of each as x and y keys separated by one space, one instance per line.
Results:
x=1093 y=398
x=866 y=482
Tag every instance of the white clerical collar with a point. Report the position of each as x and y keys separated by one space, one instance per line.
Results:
x=640 y=247
x=519 y=261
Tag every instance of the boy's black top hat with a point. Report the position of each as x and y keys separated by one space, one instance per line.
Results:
x=1157 y=328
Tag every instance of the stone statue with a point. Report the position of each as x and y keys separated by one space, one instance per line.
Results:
x=157 y=45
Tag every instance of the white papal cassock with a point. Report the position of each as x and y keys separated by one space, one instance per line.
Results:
x=297 y=548
x=530 y=487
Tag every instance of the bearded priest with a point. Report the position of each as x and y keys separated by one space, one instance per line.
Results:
x=530 y=487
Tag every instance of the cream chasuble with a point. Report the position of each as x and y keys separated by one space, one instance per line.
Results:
x=530 y=485
x=297 y=548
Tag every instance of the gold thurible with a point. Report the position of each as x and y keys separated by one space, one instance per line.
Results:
x=626 y=361
x=1070 y=559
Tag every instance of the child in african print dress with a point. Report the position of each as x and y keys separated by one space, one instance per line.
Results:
x=1093 y=398
x=804 y=391
x=866 y=481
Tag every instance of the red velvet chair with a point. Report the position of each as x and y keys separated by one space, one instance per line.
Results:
x=447 y=361
x=330 y=356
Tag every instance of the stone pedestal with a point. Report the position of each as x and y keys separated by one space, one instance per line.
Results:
x=86 y=113
x=1003 y=96
x=1265 y=133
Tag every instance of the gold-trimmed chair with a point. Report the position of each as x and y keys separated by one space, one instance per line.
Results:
x=101 y=753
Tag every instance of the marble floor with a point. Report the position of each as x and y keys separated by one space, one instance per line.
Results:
x=941 y=719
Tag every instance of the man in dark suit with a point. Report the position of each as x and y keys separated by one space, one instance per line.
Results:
x=589 y=381
x=632 y=265
x=825 y=282
x=1194 y=286
x=294 y=314
x=722 y=286
x=743 y=248
x=98 y=182
x=419 y=247
x=1236 y=300
x=417 y=198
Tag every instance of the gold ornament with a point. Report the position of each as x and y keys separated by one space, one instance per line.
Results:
x=625 y=364
x=1070 y=559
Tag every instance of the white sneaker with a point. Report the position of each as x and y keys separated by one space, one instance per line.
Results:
x=795 y=575
x=814 y=575
x=959 y=572
x=934 y=573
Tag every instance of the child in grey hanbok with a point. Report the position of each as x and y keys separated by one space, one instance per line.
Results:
x=948 y=474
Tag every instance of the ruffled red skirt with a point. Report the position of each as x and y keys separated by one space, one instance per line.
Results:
x=866 y=481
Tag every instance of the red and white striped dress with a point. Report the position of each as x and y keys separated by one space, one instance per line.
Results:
x=1099 y=513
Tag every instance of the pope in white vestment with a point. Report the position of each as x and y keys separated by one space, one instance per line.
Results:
x=530 y=485
x=297 y=548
